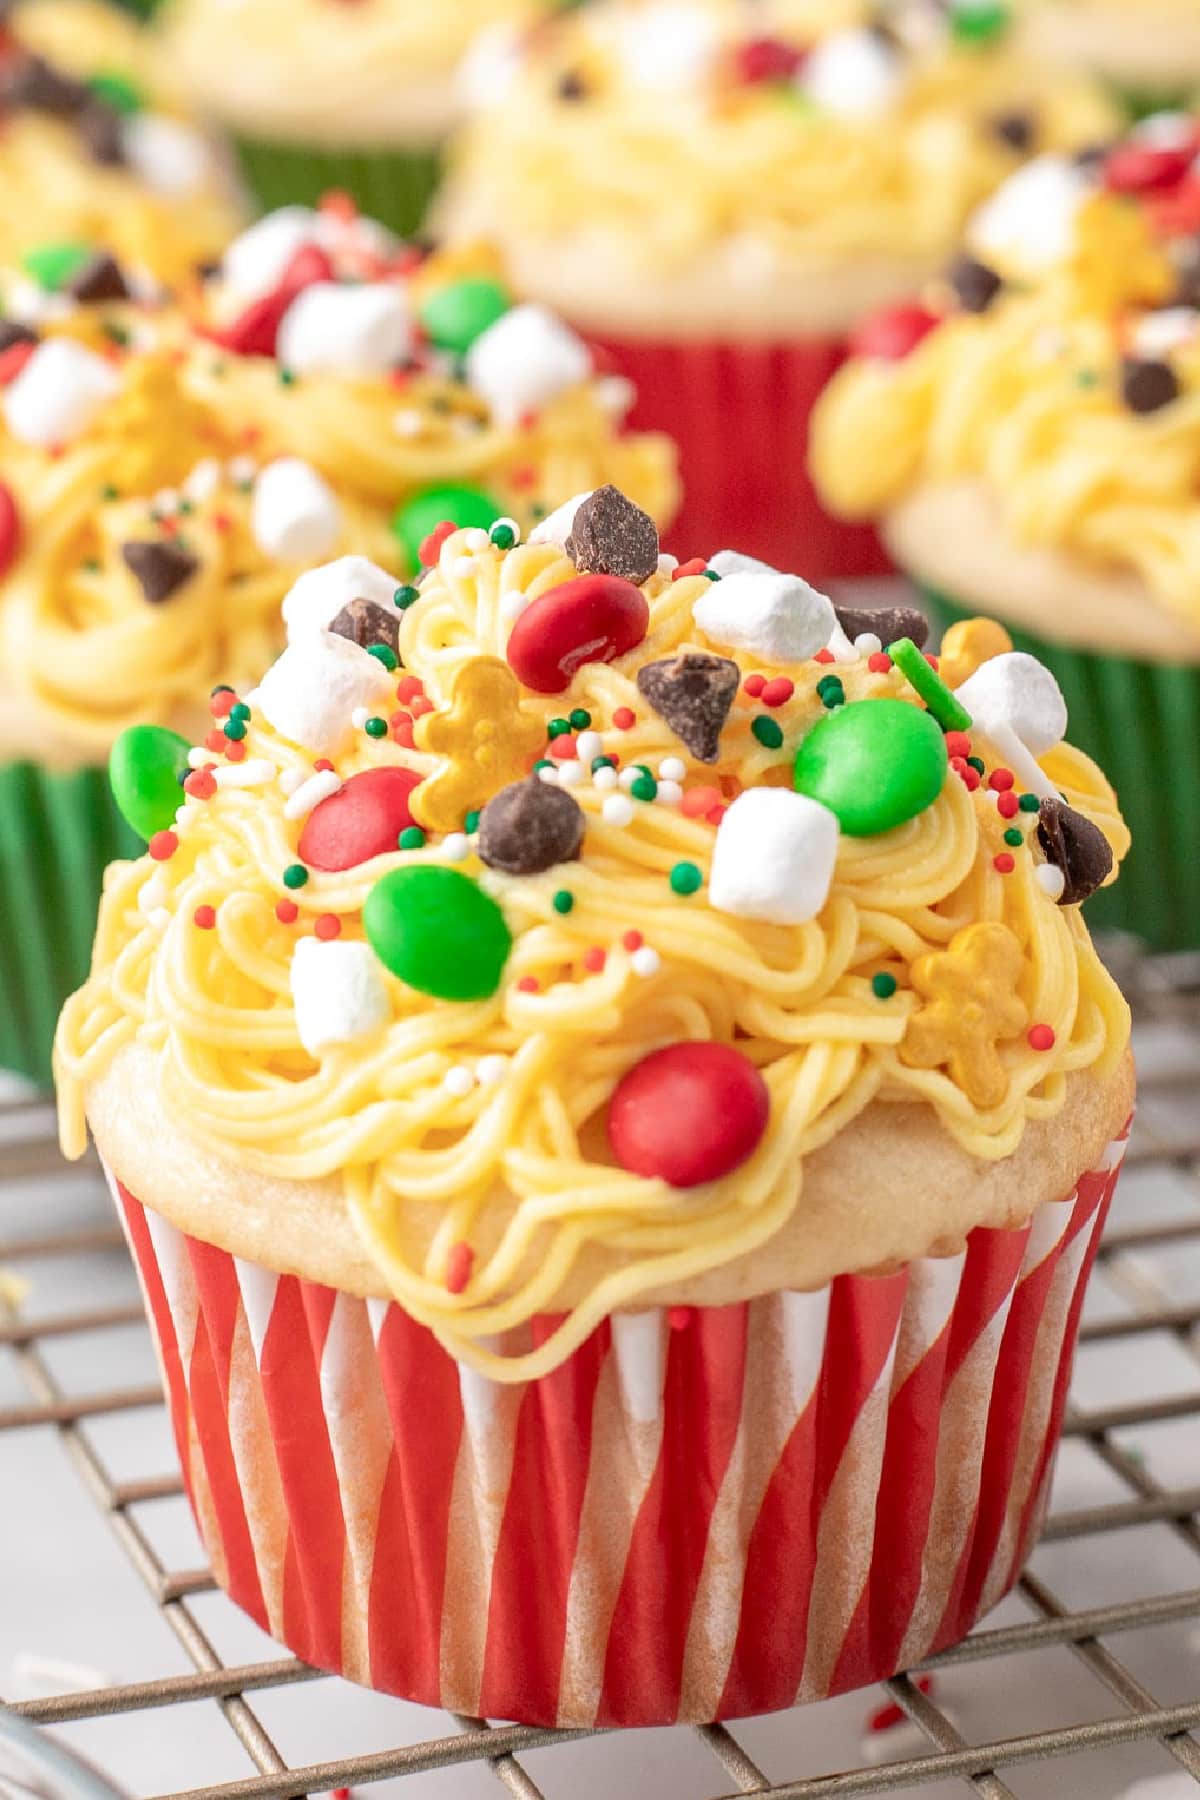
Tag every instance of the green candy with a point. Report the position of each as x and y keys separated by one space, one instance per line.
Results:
x=874 y=763
x=414 y=521
x=54 y=266
x=979 y=21
x=118 y=91
x=456 y=315
x=438 y=931
x=144 y=767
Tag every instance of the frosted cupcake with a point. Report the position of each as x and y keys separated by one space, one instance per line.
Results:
x=1149 y=49
x=1030 y=437
x=510 y=1028
x=719 y=198
x=320 y=94
x=95 y=147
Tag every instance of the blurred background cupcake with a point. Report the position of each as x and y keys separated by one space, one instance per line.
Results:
x=96 y=144
x=1147 y=49
x=321 y=93
x=718 y=194
x=1030 y=437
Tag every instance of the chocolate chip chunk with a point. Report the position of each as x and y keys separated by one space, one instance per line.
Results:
x=1077 y=847
x=1092 y=156
x=100 y=279
x=529 y=827
x=887 y=623
x=32 y=81
x=13 y=332
x=99 y=126
x=572 y=86
x=366 y=623
x=1016 y=129
x=159 y=568
x=975 y=284
x=693 y=692
x=612 y=536
x=1148 y=385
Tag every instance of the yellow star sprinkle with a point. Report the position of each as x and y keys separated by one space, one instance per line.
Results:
x=970 y=1008
x=485 y=739
x=967 y=645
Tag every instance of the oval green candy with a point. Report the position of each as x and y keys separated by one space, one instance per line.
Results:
x=144 y=767
x=456 y=315
x=875 y=763
x=438 y=931
x=118 y=91
x=414 y=521
x=54 y=266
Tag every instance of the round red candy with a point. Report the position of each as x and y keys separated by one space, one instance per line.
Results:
x=765 y=59
x=10 y=529
x=594 y=618
x=688 y=1114
x=1140 y=168
x=893 y=333
x=363 y=819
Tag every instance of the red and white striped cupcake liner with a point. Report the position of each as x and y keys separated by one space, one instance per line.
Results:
x=690 y=1519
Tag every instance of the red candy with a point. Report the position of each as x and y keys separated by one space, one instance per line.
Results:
x=766 y=59
x=255 y=331
x=363 y=819
x=13 y=360
x=10 y=529
x=893 y=333
x=594 y=618
x=688 y=1114
x=1135 y=168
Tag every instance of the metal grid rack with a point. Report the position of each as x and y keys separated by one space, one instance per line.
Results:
x=1145 y=1306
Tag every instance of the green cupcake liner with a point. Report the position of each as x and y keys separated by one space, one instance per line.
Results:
x=58 y=833
x=393 y=186
x=1141 y=722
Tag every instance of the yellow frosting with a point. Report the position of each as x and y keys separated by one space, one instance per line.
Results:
x=514 y=1165
x=52 y=187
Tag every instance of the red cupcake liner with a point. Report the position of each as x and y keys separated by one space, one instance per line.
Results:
x=740 y=414
x=693 y=1518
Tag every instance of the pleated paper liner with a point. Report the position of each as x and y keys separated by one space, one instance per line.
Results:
x=393 y=186
x=693 y=1518
x=740 y=414
x=1141 y=723
x=58 y=832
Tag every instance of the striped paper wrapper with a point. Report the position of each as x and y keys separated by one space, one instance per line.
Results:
x=393 y=186
x=695 y=1517
x=740 y=414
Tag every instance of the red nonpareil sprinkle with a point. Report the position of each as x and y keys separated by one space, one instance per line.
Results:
x=409 y=687
x=680 y=1317
x=1000 y=780
x=754 y=685
x=763 y=59
x=13 y=360
x=523 y=479
x=696 y=566
x=459 y=1264
x=778 y=691
x=932 y=660
x=250 y=434
x=205 y=917
x=564 y=749
x=969 y=777
x=431 y=547
x=402 y=733
x=420 y=706
x=528 y=984
x=879 y=662
x=624 y=718
x=594 y=959
x=327 y=926
x=235 y=750
x=717 y=813
x=823 y=656
x=1003 y=864
x=222 y=704
x=322 y=766
x=200 y=784
x=287 y=912
x=336 y=203
x=221 y=522
x=698 y=801
x=632 y=940
x=957 y=744
x=1041 y=1037
x=217 y=742
x=163 y=845
x=1007 y=805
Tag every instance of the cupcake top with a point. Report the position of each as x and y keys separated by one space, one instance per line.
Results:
x=95 y=145
x=377 y=73
x=131 y=436
x=763 y=170
x=1146 y=45
x=524 y=937
x=1053 y=376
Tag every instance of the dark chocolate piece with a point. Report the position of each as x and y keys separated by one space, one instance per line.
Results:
x=365 y=623
x=13 y=332
x=1016 y=129
x=160 y=568
x=1147 y=385
x=693 y=692
x=33 y=82
x=100 y=279
x=975 y=284
x=1077 y=847
x=612 y=536
x=529 y=827
x=100 y=128
x=887 y=623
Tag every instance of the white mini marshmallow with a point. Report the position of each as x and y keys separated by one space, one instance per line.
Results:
x=778 y=617
x=254 y=263
x=556 y=527
x=311 y=693
x=332 y=328
x=294 y=516
x=672 y=46
x=1028 y=225
x=525 y=360
x=338 y=992
x=774 y=857
x=852 y=74
x=58 y=393
x=1156 y=334
x=316 y=599
x=1017 y=691
x=735 y=562
x=172 y=158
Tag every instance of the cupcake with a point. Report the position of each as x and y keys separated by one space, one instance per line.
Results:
x=718 y=199
x=95 y=146
x=1147 y=49
x=163 y=482
x=1030 y=436
x=319 y=94
x=654 y=1026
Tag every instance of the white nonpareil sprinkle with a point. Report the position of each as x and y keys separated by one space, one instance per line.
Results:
x=588 y=746
x=166 y=502
x=456 y=847
x=667 y=564
x=459 y=1080
x=359 y=717
x=475 y=538
x=408 y=422
x=628 y=776
x=549 y=775
x=618 y=810
x=311 y=792
x=867 y=644
x=242 y=468
x=204 y=480
x=198 y=757
x=253 y=773
x=672 y=768
x=463 y=567
x=570 y=774
x=512 y=605
x=1051 y=879
x=670 y=793
x=491 y=1069
x=645 y=961
x=605 y=777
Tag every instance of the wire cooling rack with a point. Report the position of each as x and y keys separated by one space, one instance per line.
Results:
x=1084 y=1683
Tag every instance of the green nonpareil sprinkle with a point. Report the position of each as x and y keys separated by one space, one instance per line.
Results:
x=768 y=732
x=883 y=985
x=376 y=727
x=1014 y=838
x=563 y=900
x=295 y=876
x=412 y=838
x=686 y=878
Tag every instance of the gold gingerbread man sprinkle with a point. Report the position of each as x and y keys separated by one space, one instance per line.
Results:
x=967 y=645
x=971 y=1007
x=485 y=739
